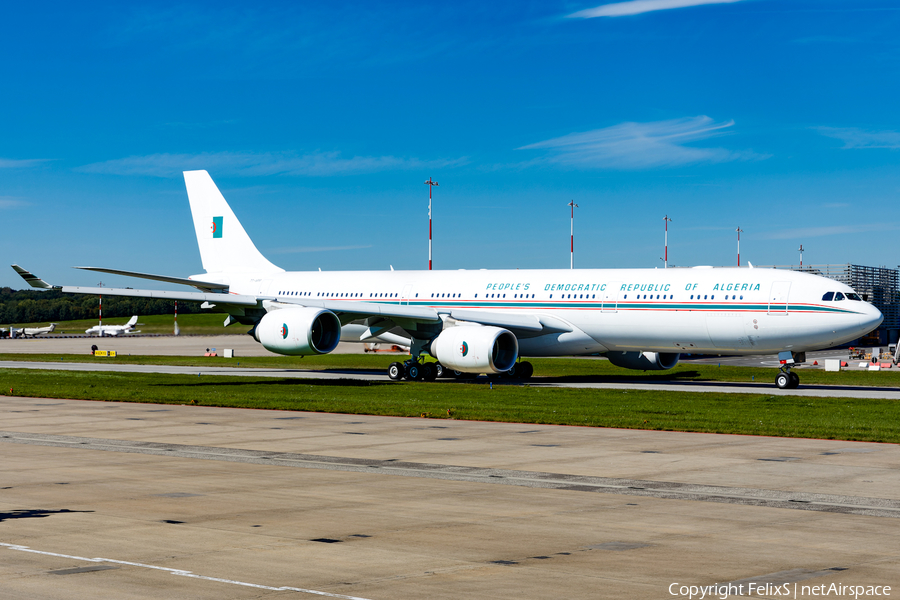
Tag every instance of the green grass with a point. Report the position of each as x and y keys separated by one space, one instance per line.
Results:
x=755 y=414
x=546 y=369
x=195 y=324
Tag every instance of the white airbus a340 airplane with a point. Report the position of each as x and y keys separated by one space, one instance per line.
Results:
x=484 y=321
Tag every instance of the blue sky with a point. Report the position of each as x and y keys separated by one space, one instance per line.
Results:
x=321 y=121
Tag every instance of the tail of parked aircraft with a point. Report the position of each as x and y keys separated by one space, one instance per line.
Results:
x=131 y=322
x=224 y=245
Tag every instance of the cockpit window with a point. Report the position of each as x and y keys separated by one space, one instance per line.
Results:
x=828 y=297
x=854 y=296
x=838 y=296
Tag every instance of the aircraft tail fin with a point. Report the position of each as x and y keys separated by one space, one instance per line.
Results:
x=132 y=321
x=224 y=245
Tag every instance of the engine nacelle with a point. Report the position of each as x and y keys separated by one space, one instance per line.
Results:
x=644 y=361
x=474 y=349
x=299 y=331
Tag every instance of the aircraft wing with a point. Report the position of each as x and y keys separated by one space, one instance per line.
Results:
x=208 y=285
x=213 y=298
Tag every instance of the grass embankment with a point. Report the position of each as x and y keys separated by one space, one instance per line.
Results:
x=546 y=369
x=755 y=414
x=189 y=324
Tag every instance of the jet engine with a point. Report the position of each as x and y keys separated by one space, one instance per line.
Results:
x=644 y=361
x=474 y=349
x=299 y=331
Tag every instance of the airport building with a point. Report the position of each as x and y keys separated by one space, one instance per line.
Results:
x=878 y=285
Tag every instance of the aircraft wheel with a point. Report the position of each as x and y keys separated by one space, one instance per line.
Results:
x=513 y=373
x=526 y=370
x=415 y=372
x=783 y=381
x=429 y=373
x=439 y=370
x=795 y=381
x=396 y=371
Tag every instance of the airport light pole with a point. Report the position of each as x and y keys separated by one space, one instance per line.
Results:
x=739 y=230
x=430 y=185
x=572 y=236
x=667 y=220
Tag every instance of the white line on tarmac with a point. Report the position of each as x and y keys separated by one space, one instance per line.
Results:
x=182 y=573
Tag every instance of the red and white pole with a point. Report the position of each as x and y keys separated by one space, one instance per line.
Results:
x=572 y=236
x=801 y=257
x=101 y=305
x=430 y=185
x=739 y=230
x=666 y=219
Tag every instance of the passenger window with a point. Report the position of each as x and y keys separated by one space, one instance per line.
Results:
x=828 y=297
x=838 y=296
x=704 y=296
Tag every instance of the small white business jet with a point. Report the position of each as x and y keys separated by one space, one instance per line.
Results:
x=113 y=330
x=30 y=332
x=484 y=321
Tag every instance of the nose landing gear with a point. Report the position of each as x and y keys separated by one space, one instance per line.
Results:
x=787 y=379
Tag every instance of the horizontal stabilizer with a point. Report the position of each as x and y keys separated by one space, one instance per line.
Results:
x=206 y=285
x=32 y=279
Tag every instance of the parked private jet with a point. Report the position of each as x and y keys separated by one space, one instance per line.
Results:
x=113 y=330
x=30 y=332
x=484 y=321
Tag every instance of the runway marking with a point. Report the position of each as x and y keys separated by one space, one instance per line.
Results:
x=796 y=500
x=181 y=573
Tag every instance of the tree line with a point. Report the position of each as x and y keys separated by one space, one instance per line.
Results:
x=32 y=306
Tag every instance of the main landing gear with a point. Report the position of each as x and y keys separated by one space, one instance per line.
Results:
x=787 y=379
x=413 y=370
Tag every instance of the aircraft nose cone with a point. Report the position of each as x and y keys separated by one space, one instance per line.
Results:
x=870 y=319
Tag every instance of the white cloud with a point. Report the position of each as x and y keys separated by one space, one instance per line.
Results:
x=640 y=145
x=319 y=164
x=636 y=7
x=854 y=137
x=11 y=202
x=11 y=163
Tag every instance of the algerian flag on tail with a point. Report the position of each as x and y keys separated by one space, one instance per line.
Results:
x=224 y=245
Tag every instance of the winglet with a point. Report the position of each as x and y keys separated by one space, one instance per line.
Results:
x=33 y=280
